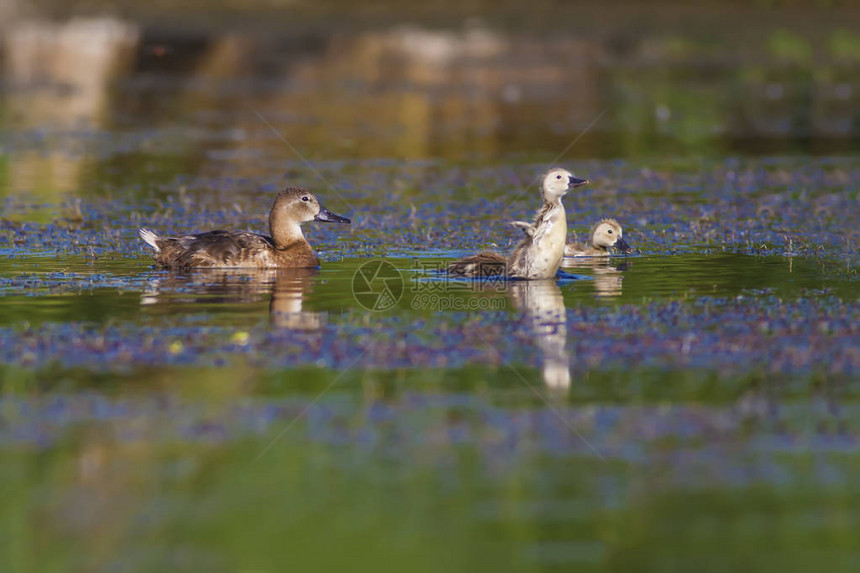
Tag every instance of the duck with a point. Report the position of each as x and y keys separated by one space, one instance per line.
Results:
x=286 y=247
x=539 y=253
x=606 y=235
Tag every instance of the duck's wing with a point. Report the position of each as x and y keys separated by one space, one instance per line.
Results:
x=216 y=249
x=527 y=228
x=482 y=265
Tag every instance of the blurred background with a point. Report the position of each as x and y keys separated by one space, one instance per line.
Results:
x=150 y=422
x=164 y=86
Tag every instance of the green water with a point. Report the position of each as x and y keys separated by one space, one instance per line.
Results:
x=66 y=289
x=249 y=466
x=692 y=406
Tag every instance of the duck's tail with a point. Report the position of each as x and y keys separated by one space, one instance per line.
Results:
x=149 y=238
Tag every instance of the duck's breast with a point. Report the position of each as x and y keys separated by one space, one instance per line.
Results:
x=548 y=243
x=551 y=234
x=298 y=255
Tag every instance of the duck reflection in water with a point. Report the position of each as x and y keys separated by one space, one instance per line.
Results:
x=607 y=276
x=286 y=290
x=543 y=309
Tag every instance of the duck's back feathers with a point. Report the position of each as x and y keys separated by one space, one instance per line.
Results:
x=582 y=250
x=226 y=249
x=482 y=265
x=219 y=249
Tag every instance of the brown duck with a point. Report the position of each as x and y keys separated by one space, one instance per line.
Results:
x=285 y=248
x=539 y=253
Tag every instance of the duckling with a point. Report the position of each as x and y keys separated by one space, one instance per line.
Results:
x=539 y=253
x=605 y=236
x=285 y=248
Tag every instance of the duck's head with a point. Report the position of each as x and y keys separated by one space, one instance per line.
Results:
x=300 y=206
x=557 y=182
x=607 y=234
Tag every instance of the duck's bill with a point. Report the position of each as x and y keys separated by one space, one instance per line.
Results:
x=622 y=246
x=328 y=217
x=577 y=182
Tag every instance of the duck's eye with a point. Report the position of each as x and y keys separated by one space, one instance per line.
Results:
x=558 y=176
x=305 y=198
x=609 y=231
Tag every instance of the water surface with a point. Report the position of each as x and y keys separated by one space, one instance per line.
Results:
x=692 y=405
